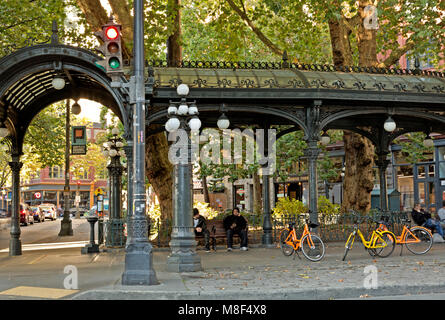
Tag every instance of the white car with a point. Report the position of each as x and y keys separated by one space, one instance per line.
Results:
x=49 y=210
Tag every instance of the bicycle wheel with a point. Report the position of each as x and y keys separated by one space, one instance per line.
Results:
x=285 y=248
x=312 y=247
x=418 y=240
x=348 y=244
x=386 y=243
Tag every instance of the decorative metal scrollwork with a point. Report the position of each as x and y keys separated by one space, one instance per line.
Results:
x=272 y=83
x=200 y=82
x=294 y=83
x=247 y=83
x=439 y=89
x=360 y=85
x=380 y=86
x=298 y=66
x=400 y=87
x=174 y=82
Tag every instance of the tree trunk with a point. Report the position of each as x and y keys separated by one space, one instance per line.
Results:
x=174 y=49
x=205 y=189
x=159 y=172
x=359 y=177
x=359 y=151
x=257 y=201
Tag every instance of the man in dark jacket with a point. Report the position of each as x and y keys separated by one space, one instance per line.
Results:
x=200 y=227
x=423 y=218
x=236 y=224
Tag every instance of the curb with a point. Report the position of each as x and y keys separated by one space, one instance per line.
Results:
x=149 y=293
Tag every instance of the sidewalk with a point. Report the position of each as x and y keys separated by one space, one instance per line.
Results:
x=258 y=274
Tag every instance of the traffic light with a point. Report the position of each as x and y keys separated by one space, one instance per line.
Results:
x=111 y=48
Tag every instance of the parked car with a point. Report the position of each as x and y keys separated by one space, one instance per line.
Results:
x=26 y=216
x=49 y=211
x=3 y=213
x=38 y=214
x=82 y=211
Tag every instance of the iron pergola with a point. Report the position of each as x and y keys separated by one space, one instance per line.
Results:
x=311 y=98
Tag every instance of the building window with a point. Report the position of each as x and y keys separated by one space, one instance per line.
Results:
x=55 y=172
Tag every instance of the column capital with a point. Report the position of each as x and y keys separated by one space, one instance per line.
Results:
x=15 y=166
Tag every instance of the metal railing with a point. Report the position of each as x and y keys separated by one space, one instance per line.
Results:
x=114 y=231
x=332 y=227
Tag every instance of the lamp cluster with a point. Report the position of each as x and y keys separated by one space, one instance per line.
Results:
x=182 y=110
x=188 y=111
x=113 y=147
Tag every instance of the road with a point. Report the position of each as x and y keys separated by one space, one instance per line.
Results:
x=47 y=232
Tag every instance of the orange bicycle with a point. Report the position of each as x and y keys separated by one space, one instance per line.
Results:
x=310 y=244
x=417 y=239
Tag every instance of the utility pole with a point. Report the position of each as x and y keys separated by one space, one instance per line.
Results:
x=138 y=251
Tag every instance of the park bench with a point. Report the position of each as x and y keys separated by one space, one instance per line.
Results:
x=217 y=231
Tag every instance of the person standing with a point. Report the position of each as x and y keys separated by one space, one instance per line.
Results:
x=236 y=224
x=200 y=228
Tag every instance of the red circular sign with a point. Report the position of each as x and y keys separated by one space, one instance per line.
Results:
x=37 y=195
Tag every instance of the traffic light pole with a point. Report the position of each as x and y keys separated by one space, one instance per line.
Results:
x=138 y=252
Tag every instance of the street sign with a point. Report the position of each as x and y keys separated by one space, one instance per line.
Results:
x=78 y=150
x=99 y=191
x=79 y=136
x=37 y=195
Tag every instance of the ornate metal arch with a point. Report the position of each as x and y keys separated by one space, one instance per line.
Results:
x=22 y=63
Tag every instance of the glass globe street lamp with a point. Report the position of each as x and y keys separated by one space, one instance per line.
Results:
x=183 y=115
x=58 y=83
x=428 y=142
x=325 y=139
x=389 y=125
x=75 y=108
x=223 y=122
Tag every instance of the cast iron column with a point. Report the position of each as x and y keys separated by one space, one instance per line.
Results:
x=15 y=245
x=311 y=154
x=138 y=251
x=183 y=257
x=115 y=233
x=382 y=164
x=266 y=239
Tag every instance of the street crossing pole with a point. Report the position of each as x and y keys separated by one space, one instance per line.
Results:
x=138 y=251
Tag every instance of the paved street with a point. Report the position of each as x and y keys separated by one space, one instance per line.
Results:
x=47 y=232
x=256 y=274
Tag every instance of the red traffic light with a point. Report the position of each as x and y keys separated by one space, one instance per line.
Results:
x=112 y=33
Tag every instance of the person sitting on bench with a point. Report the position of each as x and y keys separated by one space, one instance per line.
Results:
x=200 y=227
x=423 y=218
x=236 y=224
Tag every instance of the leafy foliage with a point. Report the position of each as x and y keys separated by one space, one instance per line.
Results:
x=287 y=206
x=413 y=148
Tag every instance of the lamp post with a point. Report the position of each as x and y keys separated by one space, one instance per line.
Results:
x=183 y=115
x=66 y=228
x=114 y=149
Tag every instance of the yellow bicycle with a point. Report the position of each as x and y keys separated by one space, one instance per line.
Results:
x=381 y=242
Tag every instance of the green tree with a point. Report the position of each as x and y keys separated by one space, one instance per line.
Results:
x=413 y=147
